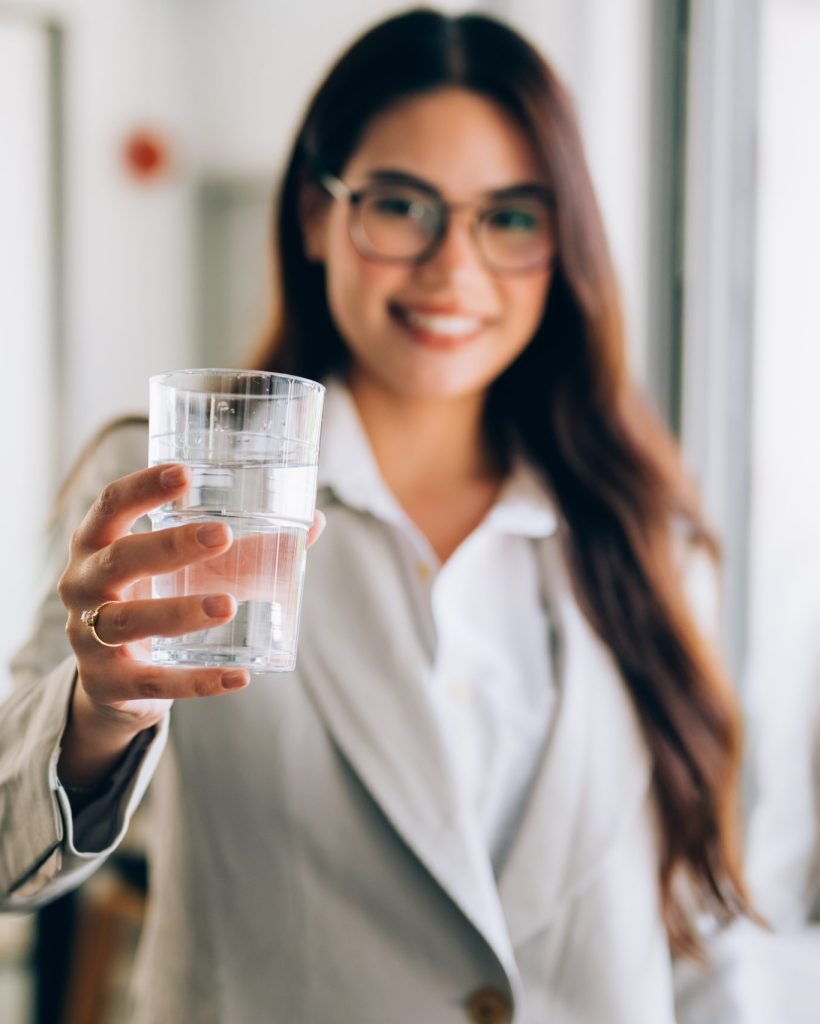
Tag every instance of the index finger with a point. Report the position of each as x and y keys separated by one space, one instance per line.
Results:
x=122 y=502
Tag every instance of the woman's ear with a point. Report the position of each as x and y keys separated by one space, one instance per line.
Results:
x=313 y=211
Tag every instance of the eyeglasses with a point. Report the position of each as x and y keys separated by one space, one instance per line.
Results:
x=400 y=220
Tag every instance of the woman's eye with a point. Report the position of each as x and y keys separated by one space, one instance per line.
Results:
x=399 y=206
x=511 y=219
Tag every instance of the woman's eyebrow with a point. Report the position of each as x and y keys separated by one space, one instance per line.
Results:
x=519 y=188
x=393 y=176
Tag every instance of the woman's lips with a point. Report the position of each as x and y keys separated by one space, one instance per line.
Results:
x=439 y=328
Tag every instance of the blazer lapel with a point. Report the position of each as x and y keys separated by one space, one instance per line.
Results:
x=374 y=706
x=592 y=760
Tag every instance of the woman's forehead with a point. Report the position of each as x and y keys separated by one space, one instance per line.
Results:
x=459 y=141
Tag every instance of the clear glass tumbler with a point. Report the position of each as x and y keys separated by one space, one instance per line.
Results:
x=251 y=442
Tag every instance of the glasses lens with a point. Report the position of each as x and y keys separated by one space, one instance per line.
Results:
x=395 y=221
x=517 y=233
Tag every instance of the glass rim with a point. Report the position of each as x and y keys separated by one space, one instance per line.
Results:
x=165 y=380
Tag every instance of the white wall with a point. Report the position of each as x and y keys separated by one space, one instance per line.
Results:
x=129 y=247
x=784 y=653
x=129 y=255
x=25 y=326
x=718 y=286
x=256 y=64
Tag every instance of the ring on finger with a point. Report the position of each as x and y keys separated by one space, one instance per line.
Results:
x=90 y=617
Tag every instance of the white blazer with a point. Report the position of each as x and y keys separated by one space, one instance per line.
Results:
x=309 y=859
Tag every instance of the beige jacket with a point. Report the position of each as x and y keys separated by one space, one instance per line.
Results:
x=310 y=862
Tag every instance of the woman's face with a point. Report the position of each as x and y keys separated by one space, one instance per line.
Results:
x=449 y=326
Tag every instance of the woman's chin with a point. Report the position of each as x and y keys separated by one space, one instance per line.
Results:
x=432 y=383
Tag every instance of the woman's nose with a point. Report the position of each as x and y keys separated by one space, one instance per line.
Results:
x=456 y=254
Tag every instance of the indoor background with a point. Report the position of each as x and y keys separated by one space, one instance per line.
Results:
x=140 y=141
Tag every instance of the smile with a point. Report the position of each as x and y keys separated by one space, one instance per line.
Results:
x=448 y=326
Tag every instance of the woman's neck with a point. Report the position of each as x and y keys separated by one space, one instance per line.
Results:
x=434 y=457
x=425 y=443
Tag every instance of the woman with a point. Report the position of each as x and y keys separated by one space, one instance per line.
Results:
x=502 y=780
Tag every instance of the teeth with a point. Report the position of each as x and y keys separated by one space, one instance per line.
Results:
x=446 y=326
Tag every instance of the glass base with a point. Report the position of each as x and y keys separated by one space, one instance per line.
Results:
x=233 y=658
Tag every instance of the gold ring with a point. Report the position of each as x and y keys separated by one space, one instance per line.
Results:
x=90 y=619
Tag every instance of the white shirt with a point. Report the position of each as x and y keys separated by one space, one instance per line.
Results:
x=482 y=613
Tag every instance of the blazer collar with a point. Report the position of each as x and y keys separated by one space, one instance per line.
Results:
x=348 y=468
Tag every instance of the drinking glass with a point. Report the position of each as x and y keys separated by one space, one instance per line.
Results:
x=251 y=442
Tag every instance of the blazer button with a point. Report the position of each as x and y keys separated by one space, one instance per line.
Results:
x=488 y=1006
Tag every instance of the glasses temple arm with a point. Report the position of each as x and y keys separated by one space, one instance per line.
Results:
x=334 y=187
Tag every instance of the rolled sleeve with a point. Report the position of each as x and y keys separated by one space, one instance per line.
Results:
x=47 y=848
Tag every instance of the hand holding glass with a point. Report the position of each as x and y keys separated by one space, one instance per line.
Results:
x=251 y=442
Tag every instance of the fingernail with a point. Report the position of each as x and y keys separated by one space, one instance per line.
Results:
x=217 y=606
x=173 y=477
x=213 y=535
x=234 y=680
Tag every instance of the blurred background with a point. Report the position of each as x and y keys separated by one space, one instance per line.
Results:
x=140 y=141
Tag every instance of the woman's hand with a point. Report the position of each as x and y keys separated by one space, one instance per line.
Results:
x=119 y=691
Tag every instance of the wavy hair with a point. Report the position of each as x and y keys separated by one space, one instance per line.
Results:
x=613 y=468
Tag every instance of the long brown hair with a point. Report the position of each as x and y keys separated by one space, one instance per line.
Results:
x=612 y=466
